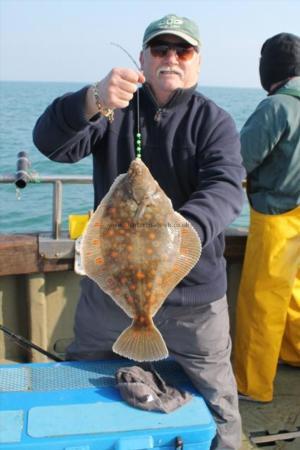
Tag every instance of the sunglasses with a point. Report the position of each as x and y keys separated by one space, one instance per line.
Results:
x=184 y=52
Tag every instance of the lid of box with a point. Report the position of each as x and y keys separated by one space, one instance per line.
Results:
x=67 y=420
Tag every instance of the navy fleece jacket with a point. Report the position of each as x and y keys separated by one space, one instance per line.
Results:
x=192 y=149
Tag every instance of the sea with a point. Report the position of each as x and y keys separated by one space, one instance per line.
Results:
x=30 y=209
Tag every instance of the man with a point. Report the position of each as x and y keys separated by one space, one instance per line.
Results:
x=192 y=149
x=268 y=314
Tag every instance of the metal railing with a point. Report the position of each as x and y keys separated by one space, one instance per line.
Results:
x=23 y=177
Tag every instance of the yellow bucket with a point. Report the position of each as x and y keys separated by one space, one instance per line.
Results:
x=77 y=224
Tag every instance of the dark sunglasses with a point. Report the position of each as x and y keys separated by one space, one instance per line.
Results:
x=184 y=52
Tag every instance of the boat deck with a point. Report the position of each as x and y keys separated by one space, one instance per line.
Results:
x=280 y=415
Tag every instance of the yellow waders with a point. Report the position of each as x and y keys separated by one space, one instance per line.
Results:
x=268 y=308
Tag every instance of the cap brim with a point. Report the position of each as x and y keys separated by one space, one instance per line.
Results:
x=180 y=34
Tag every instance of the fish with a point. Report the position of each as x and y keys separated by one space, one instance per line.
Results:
x=137 y=249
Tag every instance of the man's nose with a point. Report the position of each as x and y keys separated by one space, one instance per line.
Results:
x=171 y=54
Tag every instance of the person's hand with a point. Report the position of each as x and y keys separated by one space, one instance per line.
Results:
x=115 y=90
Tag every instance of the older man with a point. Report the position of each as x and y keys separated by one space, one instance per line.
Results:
x=192 y=149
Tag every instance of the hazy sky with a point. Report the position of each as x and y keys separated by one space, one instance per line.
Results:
x=69 y=40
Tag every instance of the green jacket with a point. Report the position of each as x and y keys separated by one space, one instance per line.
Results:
x=271 y=151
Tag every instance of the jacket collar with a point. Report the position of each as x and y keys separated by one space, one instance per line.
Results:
x=292 y=87
x=179 y=96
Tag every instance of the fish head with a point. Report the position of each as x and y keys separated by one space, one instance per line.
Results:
x=141 y=184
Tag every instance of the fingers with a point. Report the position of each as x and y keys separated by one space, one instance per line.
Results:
x=118 y=87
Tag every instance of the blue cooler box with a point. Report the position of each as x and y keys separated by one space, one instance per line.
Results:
x=76 y=406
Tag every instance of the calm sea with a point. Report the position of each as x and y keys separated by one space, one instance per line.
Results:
x=21 y=103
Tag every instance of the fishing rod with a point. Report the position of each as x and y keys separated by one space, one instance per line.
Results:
x=24 y=343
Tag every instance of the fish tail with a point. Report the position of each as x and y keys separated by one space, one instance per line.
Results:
x=141 y=343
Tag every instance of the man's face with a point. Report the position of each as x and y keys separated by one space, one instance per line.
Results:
x=167 y=72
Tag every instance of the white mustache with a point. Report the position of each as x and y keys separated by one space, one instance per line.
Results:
x=170 y=70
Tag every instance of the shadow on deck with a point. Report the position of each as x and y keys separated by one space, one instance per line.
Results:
x=281 y=415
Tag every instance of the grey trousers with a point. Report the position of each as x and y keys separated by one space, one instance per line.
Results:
x=197 y=337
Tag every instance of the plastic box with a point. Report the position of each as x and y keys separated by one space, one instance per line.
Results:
x=76 y=406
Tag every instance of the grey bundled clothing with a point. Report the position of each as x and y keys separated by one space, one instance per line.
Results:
x=145 y=389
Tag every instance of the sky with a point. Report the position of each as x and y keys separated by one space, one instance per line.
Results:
x=70 y=40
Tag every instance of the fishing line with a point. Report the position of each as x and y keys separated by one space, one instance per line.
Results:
x=138 y=136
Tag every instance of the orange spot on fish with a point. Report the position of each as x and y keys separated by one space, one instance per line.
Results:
x=99 y=261
x=129 y=299
x=110 y=233
x=129 y=248
x=114 y=254
x=149 y=285
x=97 y=224
x=96 y=241
x=132 y=287
x=117 y=290
x=123 y=280
x=126 y=225
x=152 y=236
x=140 y=275
x=149 y=251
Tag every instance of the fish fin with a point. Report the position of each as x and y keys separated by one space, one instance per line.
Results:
x=190 y=248
x=90 y=249
x=93 y=259
x=141 y=343
x=189 y=254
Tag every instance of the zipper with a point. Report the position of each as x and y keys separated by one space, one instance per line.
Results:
x=160 y=110
x=158 y=114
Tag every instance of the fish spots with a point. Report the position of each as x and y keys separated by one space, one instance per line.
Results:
x=136 y=258
x=184 y=251
x=112 y=211
x=99 y=261
x=111 y=283
x=140 y=275
x=129 y=299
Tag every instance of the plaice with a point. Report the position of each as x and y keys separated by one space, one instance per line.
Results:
x=137 y=249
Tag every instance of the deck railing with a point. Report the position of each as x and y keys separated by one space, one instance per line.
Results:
x=22 y=177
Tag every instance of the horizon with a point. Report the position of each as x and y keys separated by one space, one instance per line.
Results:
x=85 y=83
x=54 y=41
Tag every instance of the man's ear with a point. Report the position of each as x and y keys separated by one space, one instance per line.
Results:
x=141 y=59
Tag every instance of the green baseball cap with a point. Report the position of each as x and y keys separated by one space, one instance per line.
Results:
x=172 y=24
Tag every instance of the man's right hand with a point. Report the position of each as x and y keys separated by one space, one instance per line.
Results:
x=115 y=90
